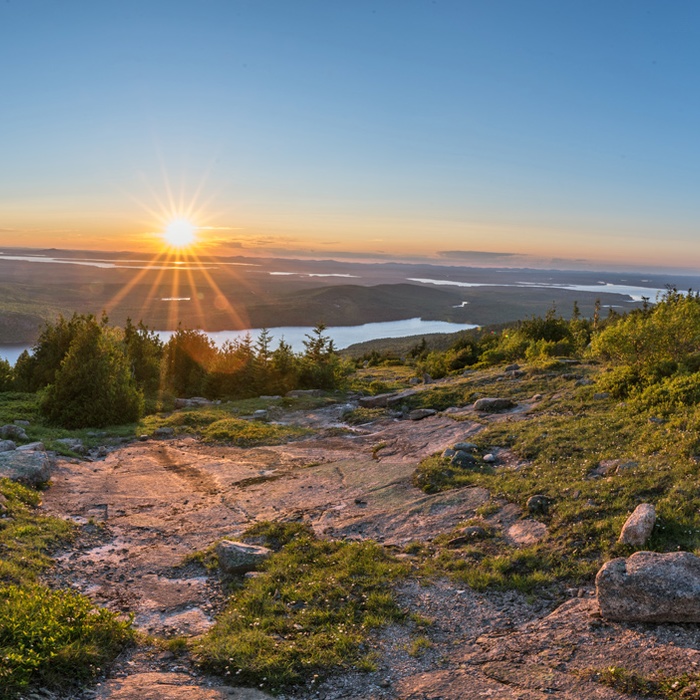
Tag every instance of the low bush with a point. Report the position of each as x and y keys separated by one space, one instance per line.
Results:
x=54 y=639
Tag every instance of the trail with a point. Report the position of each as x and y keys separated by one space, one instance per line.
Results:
x=148 y=506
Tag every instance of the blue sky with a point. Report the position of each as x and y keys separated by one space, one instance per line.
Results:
x=554 y=129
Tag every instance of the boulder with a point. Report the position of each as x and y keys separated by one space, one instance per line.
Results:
x=29 y=468
x=449 y=452
x=420 y=413
x=638 y=527
x=7 y=445
x=493 y=405
x=238 y=557
x=13 y=432
x=650 y=587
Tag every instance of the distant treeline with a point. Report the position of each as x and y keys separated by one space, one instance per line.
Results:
x=92 y=374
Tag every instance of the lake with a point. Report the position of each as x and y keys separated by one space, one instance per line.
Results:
x=342 y=336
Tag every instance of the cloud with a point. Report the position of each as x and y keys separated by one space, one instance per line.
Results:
x=478 y=254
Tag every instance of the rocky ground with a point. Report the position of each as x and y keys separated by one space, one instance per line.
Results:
x=148 y=505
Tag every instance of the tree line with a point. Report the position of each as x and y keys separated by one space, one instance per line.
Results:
x=91 y=374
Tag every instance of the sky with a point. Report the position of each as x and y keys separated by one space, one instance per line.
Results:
x=549 y=130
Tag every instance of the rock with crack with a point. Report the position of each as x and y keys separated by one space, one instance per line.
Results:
x=29 y=468
x=650 y=587
x=493 y=405
x=639 y=526
x=239 y=557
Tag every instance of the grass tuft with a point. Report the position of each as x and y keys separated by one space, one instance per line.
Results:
x=309 y=612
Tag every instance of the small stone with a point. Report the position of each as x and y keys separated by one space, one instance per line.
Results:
x=13 y=432
x=601 y=395
x=7 y=446
x=238 y=557
x=421 y=413
x=165 y=432
x=31 y=447
x=537 y=397
x=465 y=446
x=143 y=438
x=493 y=405
x=24 y=423
x=489 y=458
x=448 y=452
x=464 y=460
x=585 y=382
x=260 y=414
x=639 y=526
x=513 y=367
x=539 y=503
x=474 y=532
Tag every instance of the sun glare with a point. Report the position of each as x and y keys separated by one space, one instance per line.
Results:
x=180 y=233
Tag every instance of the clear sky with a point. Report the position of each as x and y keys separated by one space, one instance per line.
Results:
x=552 y=129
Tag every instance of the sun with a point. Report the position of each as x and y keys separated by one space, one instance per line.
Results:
x=180 y=233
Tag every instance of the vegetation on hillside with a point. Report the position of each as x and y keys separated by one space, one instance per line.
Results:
x=616 y=423
x=92 y=374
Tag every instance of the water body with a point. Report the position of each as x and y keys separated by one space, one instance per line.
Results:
x=636 y=293
x=342 y=336
x=103 y=264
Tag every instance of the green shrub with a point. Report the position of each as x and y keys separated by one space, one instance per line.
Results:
x=94 y=386
x=52 y=638
x=250 y=433
x=671 y=394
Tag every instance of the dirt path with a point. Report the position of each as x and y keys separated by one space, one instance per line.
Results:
x=149 y=505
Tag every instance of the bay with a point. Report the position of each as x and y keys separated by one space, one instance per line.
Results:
x=342 y=336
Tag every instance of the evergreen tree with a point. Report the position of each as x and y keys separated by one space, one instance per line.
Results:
x=94 y=386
